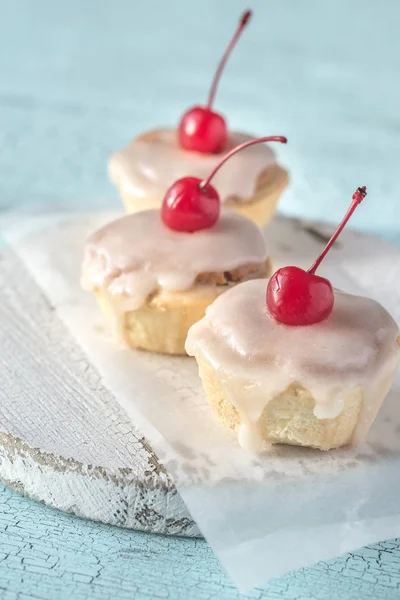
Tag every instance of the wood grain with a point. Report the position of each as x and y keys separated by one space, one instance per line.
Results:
x=75 y=450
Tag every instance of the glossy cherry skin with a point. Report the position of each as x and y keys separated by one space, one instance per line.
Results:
x=202 y=130
x=189 y=207
x=296 y=297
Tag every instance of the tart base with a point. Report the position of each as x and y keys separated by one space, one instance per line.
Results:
x=288 y=418
x=162 y=323
x=260 y=209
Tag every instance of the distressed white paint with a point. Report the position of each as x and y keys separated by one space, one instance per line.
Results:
x=118 y=499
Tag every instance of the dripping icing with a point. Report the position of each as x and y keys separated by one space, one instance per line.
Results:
x=137 y=255
x=152 y=162
x=258 y=358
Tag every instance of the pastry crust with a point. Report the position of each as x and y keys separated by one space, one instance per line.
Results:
x=261 y=208
x=270 y=185
x=288 y=418
x=162 y=323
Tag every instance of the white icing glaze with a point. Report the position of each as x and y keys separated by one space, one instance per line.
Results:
x=136 y=255
x=147 y=167
x=258 y=358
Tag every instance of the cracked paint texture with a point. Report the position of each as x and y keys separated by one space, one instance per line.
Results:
x=48 y=555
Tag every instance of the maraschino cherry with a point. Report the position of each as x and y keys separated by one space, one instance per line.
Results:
x=191 y=204
x=298 y=297
x=201 y=129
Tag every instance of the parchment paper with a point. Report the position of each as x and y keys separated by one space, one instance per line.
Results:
x=262 y=515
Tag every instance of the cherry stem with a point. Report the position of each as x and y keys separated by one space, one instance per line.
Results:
x=271 y=138
x=242 y=24
x=357 y=198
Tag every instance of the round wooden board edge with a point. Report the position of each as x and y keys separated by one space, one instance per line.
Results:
x=118 y=498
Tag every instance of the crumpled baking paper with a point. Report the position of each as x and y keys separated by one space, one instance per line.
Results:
x=262 y=515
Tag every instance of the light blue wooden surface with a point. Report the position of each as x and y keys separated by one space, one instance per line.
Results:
x=48 y=555
x=78 y=79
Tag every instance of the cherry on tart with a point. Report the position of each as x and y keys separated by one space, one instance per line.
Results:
x=192 y=204
x=275 y=383
x=201 y=129
x=298 y=297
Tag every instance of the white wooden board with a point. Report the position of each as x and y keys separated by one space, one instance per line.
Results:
x=76 y=450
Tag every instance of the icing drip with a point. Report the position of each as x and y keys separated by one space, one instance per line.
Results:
x=136 y=255
x=249 y=437
x=258 y=358
x=152 y=162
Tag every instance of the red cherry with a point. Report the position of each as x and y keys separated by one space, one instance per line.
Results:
x=295 y=297
x=191 y=204
x=201 y=129
x=298 y=297
x=189 y=207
